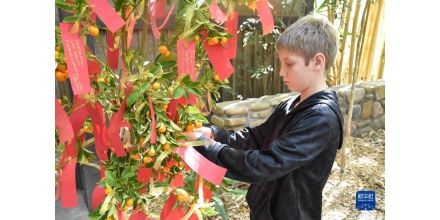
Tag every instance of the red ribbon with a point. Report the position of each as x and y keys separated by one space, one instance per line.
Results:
x=153 y=137
x=113 y=130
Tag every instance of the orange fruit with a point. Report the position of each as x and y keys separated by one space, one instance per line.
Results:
x=198 y=124
x=66 y=74
x=125 y=208
x=141 y=141
x=61 y=67
x=189 y=127
x=252 y=5
x=163 y=49
x=181 y=164
x=166 y=146
x=166 y=169
x=129 y=202
x=181 y=198
x=100 y=80
x=108 y=191
x=156 y=85
x=162 y=129
x=110 y=218
x=57 y=54
x=216 y=78
x=57 y=48
x=196 y=38
x=151 y=152
x=148 y=114
x=59 y=100
x=136 y=156
x=93 y=30
x=167 y=53
x=60 y=76
x=165 y=107
x=147 y=159
x=214 y=40
x=224 y=40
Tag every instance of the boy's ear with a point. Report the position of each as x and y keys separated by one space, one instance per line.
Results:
x=319 y=62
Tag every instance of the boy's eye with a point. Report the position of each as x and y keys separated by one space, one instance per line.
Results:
x=289 y=64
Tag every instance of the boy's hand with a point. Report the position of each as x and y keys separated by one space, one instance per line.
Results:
x=193 y=136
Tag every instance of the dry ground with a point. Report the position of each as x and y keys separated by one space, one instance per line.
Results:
x=365 y=165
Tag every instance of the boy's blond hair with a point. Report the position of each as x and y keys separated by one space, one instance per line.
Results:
x=310 y=35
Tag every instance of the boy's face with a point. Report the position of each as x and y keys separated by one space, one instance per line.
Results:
x=296 y=75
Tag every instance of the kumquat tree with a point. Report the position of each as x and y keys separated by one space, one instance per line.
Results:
x=137 y=108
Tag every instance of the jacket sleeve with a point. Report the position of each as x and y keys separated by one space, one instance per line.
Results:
x=250 y=138
x=297 y=147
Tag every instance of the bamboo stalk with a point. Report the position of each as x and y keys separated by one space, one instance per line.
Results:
x=353 y=85
x=344 y=40
x=379 y=74
x=255 y=64
x=353 y=40
x=145 y=18
x=245 y=74
x=367 y=47
x=374 y=41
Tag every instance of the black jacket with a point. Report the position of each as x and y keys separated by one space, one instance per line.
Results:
x=287 y=159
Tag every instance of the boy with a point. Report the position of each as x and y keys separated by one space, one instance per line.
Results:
x=288 y=158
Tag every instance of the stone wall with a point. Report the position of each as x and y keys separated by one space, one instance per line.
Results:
x=368 y=109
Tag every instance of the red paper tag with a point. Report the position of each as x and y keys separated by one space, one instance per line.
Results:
x=144 y=176
x=218 y=15
x=93 y=68
x=207 y=194
x=172 y=109
x=168 y=207
x=205 y=168
x=75 y=59
x=177 y=181
x=218 y=57
x=97 y=197
x=62 y=123
x=186 y=65
x=68 y=185
x=112 y=53
x=99 y=130
x=113 y=129
x=107 y=14
x=231 y=45
x=265 y=16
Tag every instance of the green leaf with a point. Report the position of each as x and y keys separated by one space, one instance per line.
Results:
x=63 y=5
x=132 y=97
x=129 y=174
x=162 y=139
x=193 y=84
x=70 y=19
x=118 y=5
x=168 y=75
x=178 y=93
x=168 y=64
x=156 y=69
x=144 y=87
x=220 y=207
x=110 y=178
x=186 y=79
x=195 y=91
